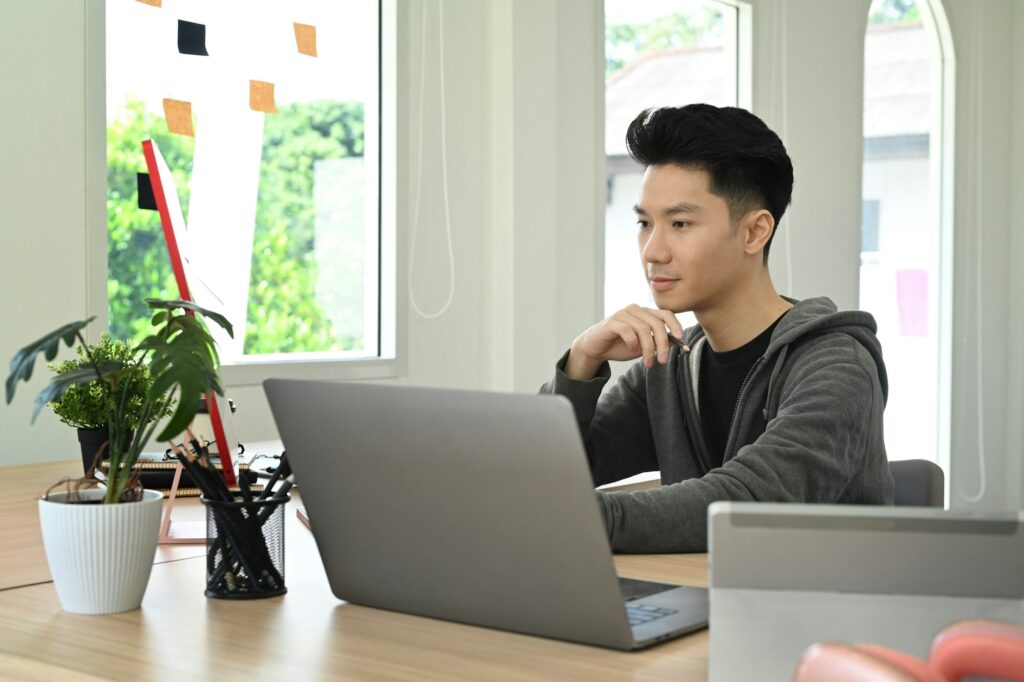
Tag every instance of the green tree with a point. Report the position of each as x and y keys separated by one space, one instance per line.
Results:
x=626 y=42
x=138 y=266
x=894 y=12
x=284 y=314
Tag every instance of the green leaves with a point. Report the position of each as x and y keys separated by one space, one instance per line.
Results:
x=24 y=360
x=182 y=357
x=109 y=370
x=167 y=308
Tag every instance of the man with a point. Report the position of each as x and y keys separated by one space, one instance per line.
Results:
x=766 y=399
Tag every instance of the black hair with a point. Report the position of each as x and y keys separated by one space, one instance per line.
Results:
x=747 y=162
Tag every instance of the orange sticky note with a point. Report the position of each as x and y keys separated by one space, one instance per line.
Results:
x=305 y=38
x=179 y=117
x=152 y=3
x=261 y=97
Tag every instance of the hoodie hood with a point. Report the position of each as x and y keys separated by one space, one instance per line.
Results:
x=816 y=317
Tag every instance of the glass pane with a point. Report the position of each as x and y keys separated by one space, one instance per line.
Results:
x=279 y=184
x=900 y=258
x=664 y=53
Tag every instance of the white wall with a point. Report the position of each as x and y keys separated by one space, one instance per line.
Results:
x=43 y=202
x=808 y=74
x=524 y=101
x=1014 y=479
x=983 y=249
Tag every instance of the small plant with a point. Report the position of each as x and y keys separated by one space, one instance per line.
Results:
x=180 y=359
x=87 y=406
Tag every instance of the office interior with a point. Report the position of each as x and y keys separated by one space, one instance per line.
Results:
x=525 y=96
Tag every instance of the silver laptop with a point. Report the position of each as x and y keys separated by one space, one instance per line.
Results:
x=784 y=576
x=467 y=506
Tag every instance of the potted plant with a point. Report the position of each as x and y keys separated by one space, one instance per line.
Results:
x=100 y=542
x=85 y=407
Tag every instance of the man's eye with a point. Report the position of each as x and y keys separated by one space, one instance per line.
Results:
x=643 y=224
x=681 y=223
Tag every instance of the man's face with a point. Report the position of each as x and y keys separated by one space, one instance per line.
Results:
x=690 y=252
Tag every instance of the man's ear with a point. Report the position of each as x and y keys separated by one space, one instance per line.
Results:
x=758 y=227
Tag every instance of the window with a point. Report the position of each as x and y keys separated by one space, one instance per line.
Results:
x=869 y=227
x=279 y=180
x=902 y=270
x=656 y=54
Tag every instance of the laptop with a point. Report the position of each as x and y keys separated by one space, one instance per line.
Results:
x=466 y=506
x=785 y=576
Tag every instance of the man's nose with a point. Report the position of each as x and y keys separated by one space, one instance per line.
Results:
x=655 y=249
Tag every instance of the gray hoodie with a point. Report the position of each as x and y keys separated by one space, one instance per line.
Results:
x=807 y=427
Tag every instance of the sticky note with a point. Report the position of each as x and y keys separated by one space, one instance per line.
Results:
x=179 y=117
x=261 y=97
x=192 y=38
x=305 y=38
x=152 y=3
x=147 y=201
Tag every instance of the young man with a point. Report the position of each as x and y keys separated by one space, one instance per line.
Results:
x=766 y=399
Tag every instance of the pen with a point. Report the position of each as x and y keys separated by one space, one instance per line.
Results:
x=677 y=342
x=283 y=469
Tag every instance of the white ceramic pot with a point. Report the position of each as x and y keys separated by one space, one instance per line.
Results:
x=100 y=555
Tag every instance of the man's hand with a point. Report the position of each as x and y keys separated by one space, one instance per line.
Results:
x=630 y=333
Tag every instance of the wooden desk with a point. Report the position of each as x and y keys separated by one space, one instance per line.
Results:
x=307 y=633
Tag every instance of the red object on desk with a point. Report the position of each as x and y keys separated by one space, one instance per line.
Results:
x=164 y=192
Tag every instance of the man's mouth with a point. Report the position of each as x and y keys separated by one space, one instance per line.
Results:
x=661 y=283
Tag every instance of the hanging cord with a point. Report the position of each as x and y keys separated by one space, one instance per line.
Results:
x=975 y=209
x=444 y=164
x=787 y=242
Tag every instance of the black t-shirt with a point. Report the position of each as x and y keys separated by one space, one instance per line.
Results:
x=721 y=377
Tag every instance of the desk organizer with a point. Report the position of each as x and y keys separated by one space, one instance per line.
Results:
x=245 y=548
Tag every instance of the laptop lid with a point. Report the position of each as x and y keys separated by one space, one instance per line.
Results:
x=467 y=506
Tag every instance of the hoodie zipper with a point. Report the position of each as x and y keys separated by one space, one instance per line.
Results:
x=736 y=407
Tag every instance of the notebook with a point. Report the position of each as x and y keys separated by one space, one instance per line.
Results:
x=159 y=475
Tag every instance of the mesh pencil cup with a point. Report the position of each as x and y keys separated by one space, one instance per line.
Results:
x=245 y=548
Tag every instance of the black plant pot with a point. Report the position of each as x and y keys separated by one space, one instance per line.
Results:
x=91 y=440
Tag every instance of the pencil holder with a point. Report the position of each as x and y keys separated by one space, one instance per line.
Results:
x=245 y=548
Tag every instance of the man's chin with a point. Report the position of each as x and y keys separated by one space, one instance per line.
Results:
x=674 y=302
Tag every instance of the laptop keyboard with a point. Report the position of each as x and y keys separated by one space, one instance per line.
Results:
x=645 y=613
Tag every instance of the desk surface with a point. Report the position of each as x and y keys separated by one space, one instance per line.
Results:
x=307 y=633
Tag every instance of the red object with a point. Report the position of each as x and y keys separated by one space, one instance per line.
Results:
x=161 y=179
x=150 y=151
x=836 y=662
x=968 y=649
x=222 y=442
x=979 y=648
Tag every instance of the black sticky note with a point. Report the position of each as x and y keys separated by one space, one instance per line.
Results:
x=147 y=201
x=192 y=38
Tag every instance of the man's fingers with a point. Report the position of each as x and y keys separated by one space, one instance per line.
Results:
x=656 y=328
x=674 y=328
x=642 y=331
x=628 y=335
x=645 y=332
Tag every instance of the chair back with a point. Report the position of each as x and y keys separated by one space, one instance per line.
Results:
x=919 y=483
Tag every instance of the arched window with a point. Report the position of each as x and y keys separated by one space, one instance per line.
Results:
x=904 y=273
